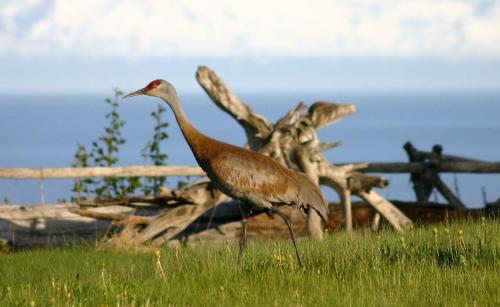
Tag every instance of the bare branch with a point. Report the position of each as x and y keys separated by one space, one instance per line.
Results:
x=256 y=127
x=397 y=219
x=111 y=216
x=324 y=146
x=326 y=113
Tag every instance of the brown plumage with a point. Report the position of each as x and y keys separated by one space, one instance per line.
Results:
x=240 y=173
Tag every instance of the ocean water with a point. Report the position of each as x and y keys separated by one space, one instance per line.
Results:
x=42 y=131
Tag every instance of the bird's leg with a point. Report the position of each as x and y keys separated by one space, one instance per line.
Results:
x=292 y=233
x=243 y=240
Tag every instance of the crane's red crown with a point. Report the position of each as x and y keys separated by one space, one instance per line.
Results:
x=153 y=84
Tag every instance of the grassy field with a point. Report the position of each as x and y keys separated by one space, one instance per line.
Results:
x=441 y=265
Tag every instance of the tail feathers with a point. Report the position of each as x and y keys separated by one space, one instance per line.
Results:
x=322 y=209
x=312 y=196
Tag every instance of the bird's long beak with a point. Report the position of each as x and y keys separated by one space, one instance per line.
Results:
x=136 y=93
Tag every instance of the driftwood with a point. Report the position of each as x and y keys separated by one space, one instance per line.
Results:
x=31 y=226
x=292 y=140
x=176 y=210
x=257 y=128
x=226 y=227
x=23 y=226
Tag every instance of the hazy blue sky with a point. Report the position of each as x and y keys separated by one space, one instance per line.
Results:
x=89 y=46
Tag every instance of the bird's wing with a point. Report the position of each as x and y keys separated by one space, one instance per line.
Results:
x=264 y=182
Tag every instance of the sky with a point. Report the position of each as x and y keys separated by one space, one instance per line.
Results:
x=90 y=46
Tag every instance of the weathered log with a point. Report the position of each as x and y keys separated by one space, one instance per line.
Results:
x=263 y=225
x=111 y=216
x=398 y=219
x=218 y=234
x=169 y=223
x=146 y=201
x=177 y=220
x=30 y=226
x=99 y=215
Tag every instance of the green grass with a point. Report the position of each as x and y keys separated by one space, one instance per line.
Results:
x=424 y=267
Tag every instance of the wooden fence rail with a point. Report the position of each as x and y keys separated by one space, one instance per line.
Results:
x=156 y=171
x=83 y=172
x=440 y=167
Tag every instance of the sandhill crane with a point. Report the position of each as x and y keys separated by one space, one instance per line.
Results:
x=242 y=174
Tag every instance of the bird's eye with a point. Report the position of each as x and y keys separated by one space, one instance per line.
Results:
x=153 y=84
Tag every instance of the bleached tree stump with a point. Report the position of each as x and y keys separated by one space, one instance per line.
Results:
x=293 y=141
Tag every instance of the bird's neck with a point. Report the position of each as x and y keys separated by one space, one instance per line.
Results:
x=194 y=138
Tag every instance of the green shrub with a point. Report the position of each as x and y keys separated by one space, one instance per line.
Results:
x=152 y=152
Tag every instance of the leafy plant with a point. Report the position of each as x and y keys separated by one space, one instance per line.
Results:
x=104 y=152
x=153 y=153
x=82 y=186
